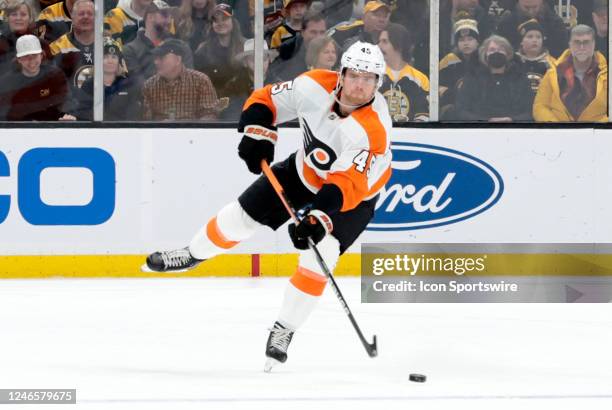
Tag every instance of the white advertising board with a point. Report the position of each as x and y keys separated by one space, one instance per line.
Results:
x=131 y=191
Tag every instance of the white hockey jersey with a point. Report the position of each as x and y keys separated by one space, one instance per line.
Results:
x=350 y=152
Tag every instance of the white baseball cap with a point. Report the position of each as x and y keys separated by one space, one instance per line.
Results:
x=27 y=45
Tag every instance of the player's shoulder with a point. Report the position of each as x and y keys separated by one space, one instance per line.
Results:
x=375 y=123
x=319 y=78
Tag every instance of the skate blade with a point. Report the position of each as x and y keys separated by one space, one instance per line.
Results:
x=270 y=363
x=145 y=268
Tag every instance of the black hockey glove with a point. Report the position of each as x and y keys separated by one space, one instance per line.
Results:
x=313 y=224
x=257 y=143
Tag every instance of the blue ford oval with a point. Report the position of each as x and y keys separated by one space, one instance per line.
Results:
x=433 y=186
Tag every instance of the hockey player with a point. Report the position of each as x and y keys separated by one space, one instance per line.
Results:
x=334 y=179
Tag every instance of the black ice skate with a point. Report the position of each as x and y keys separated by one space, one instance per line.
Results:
x=178 y=260
x=276 y=348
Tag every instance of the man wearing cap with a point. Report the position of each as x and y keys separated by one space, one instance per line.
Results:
x=600 y=23
x=552 y=25
x=576 y=90
x=178 y=93
x=138 y=53
x=36 y=92
x=294 y=11
x=74 y=51
x=55 y=20
x=376 y=16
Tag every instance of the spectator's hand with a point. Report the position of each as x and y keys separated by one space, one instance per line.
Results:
x=500 y=119
x=67 y=117
x=257 y=144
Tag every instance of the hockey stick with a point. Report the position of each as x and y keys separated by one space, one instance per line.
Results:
x=371 y=348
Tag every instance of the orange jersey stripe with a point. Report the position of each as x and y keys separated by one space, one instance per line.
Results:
x=308 y=281
x=377 y=135
x=325 y=78
x=216 y=237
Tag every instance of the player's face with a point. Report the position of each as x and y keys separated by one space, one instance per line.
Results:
x=222 y=24
x=83 y=16
x=111 y=64
x=358 y=87
x=532 y=43
x=30 y=65
x=327 y=56
x=19 y=19
x=467 y=44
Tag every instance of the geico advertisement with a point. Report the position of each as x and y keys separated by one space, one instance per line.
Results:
x=132 y=191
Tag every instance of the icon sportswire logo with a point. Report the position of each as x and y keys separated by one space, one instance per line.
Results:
x=433 y=186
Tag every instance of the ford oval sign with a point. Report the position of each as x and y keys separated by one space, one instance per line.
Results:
x=433 y=186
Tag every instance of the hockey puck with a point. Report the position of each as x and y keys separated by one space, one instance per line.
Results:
x=419 y=378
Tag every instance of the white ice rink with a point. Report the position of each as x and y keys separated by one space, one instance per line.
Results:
x=198 y=344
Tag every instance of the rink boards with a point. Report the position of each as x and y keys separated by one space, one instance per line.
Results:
x=91 y=202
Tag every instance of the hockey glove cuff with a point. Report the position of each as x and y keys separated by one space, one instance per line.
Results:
x=315 y=225
x=257 y=143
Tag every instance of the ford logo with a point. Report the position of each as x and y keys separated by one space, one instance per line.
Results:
x=433 y=186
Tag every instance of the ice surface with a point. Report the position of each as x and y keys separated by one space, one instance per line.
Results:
x=199 y=343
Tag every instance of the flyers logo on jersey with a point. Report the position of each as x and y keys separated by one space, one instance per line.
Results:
x=319 y=154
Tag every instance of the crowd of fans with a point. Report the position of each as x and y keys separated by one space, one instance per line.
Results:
x=190 y=60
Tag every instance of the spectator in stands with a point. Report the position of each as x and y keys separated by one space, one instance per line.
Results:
x=121 y=97
x=245 y=9
x=37 y=92
x=496 y=9
x=404 y=87
x=240 y=86
x=414 y=16
x=291 y=61
x=322 y=53
x=552 y=24
x=457 y=64
x=577 y=88
x=178 y=93
x=294 y=11
x=216 y=55
x=139 y=53
x=533 y=57
x=194 y=21
x=454 y=10
x=122 y=23
x=335 y=11
x=74 y=51
x=498 y=92
x=20 y=21
x=55 y=20
x=600 y=23
x=376 y=16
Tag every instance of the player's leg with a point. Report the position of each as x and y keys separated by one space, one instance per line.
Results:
x=258 y=205
x=307 y=284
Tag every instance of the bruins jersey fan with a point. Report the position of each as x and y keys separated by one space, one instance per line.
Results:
x=535 y=68
x=74 y=58
x=281 y=34
x=54 y=21
x=406 y=94
x=122 y=26
x=344 y=34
